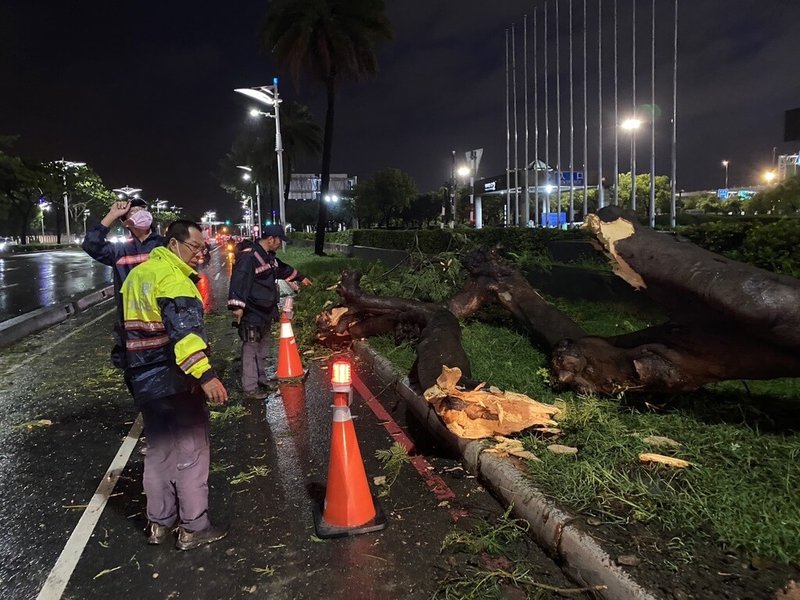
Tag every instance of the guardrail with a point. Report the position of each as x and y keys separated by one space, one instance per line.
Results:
x=13 y=330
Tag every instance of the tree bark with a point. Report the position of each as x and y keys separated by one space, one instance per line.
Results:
x=727 y=320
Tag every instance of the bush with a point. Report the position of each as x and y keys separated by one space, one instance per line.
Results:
x=774 y=247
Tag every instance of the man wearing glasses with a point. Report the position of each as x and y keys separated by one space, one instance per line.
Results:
x=170 y=376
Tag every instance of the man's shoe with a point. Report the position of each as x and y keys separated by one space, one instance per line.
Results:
x=269 y=386
x=192 y=539
x=158 y=534
x=255 y=394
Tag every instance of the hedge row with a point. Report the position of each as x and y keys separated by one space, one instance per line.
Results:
x=769 y=245
x=433 y=241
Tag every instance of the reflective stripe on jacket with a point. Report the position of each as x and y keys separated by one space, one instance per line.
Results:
x=122 y=257
x=254 y=284
x=165 y=339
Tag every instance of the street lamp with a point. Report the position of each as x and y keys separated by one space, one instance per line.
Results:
x=268 y=94
x=127 y=193
x=44 y=207
x=86 y=213
x=769 y=176
x=725 y=164
x=463 y=172
x=66 y=164
x=631 y=125
x=247 y=176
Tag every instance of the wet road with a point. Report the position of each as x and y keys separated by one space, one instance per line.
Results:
x=31 y=281
x=64 y=414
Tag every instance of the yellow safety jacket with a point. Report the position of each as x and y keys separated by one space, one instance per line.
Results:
x=165 y=339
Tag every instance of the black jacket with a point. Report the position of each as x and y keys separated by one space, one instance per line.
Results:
x=254 y=285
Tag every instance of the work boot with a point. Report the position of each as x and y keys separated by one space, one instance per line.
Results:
x=255 y=394
x=157 y=534
x=269 y=386
x=192 y=539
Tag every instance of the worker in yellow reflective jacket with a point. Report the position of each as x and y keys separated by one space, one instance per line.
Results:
x=170 y=376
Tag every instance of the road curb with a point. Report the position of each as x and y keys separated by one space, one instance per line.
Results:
x=554 y=529
x=13 y=330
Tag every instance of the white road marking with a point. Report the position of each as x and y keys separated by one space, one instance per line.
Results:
x=217 y=275
x=61 y=340
x=10 y=285
x=62 y=571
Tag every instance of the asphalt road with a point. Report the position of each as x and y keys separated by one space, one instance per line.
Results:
x=31 y=281
x=65 y=417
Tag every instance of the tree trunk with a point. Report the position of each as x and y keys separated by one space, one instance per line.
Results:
x=728 y=320
x=327 y=147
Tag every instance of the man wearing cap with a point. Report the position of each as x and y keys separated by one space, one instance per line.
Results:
x=122 y=257
x=253 y=298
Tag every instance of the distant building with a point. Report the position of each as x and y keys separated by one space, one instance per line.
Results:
x=306 y=186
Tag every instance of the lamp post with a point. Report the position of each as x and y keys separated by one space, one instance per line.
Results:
x=631 y=125
x=66 y=164
x=268 y=94
x=464 y=172
x=86 y=213
x=44 y=207
x=127 y=193
x=247 y=176
x=725 y=164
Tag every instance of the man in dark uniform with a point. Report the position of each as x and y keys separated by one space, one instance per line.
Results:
x=253 y=298
x=122 y=257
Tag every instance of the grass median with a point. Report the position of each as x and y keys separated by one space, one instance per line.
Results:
x=740 y=491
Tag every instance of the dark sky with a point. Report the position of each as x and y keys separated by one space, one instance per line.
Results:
x=143 y=91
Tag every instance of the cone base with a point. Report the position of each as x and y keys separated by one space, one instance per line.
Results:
x=326 y=531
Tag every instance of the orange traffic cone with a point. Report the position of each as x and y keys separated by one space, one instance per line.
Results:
x=289 y=365
x=350 y=508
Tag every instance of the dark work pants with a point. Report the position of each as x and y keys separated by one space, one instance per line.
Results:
x=177 y=460
x=254 y=362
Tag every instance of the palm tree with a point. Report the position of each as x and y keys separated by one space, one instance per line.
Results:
x=329 y=41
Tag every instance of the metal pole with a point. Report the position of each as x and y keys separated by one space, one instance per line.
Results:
x=585 y=122
x=652 y=207
x=558 y=115
x=546 y=207
x=66 y=205
x=507 y=220
x=279 y=152
x=571 y=128
x=258 y=208
x=452 y=223
x=526 y=197
x=616 y=112
x=535 y=120
x=633 y=96
x=672 y=207
x=516 y=137
x=600 y=199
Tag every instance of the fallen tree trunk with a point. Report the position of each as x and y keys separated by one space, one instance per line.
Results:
x=727 y=320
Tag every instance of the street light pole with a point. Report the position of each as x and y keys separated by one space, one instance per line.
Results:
x=66 y=164
x=268 y=94
x=725 y=164
x=631 y=125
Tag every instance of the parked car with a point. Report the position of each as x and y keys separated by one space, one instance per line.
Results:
x=6 y=243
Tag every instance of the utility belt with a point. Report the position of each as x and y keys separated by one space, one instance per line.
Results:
x=252 y=333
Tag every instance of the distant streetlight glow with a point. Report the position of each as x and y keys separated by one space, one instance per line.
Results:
x=769 y=176
x=463 y=171
x=632 y=123
x=725 y=164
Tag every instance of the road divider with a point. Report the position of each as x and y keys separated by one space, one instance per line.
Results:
x=13 y=330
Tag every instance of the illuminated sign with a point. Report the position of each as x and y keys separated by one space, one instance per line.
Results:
x=490 y=187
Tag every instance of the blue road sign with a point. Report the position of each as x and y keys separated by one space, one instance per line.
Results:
x=553 y=219
x=576 y=176
x=723 y=194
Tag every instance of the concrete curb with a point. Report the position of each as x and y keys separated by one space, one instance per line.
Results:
x=13 y=330
x=554 y=529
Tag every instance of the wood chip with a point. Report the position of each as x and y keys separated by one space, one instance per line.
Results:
x=664 y=460
x=559 y=449
x=658 y=440
x=629 y=560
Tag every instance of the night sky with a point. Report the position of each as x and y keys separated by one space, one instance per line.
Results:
x=143 y=91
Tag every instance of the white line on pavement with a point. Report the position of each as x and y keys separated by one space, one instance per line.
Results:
x=71 y=554
x=217 y=275
x=61 y=340
x=10 y=285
